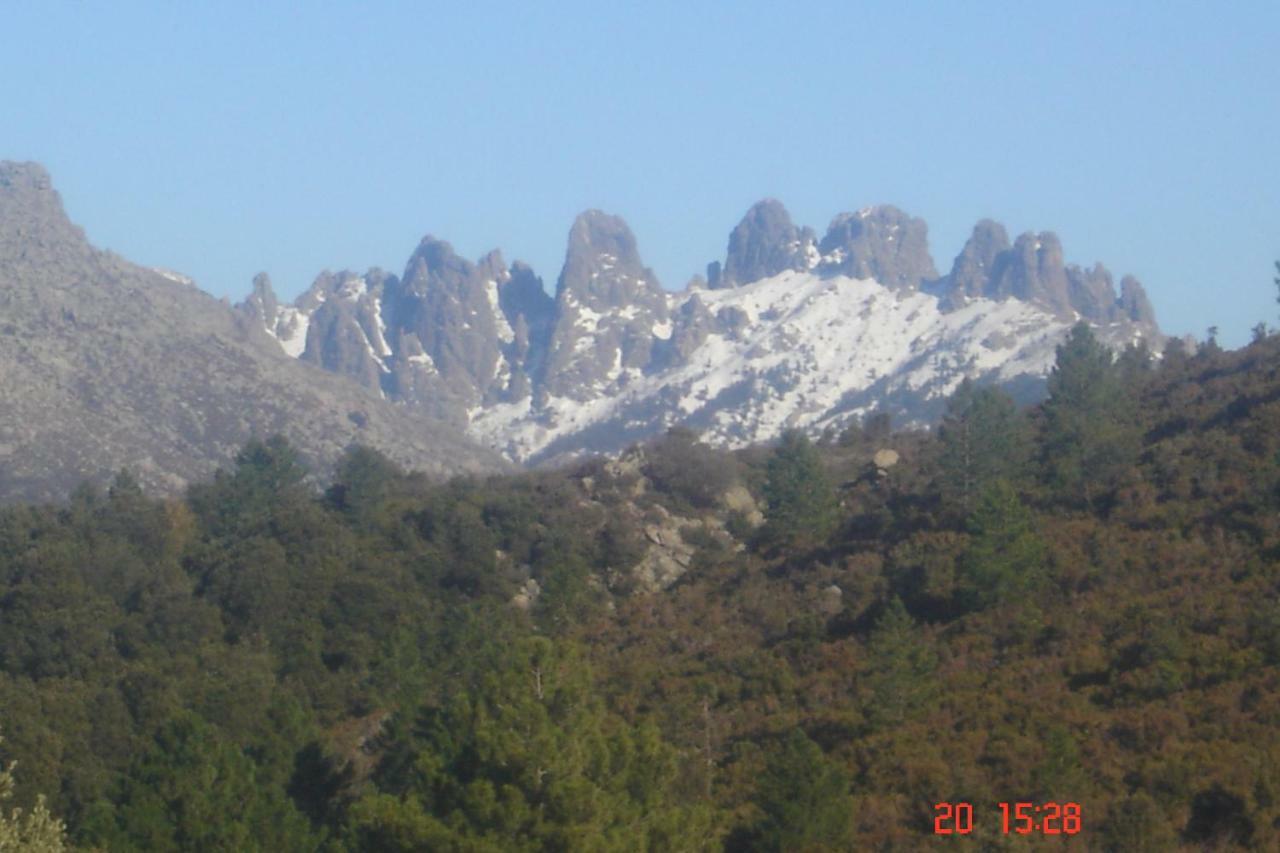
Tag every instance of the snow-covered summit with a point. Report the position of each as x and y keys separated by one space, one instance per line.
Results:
x=791 y=331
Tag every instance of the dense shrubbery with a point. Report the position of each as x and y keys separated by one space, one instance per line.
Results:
x=1073 y=603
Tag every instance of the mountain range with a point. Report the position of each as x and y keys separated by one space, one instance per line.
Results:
x=790 y=330
x=458 y=366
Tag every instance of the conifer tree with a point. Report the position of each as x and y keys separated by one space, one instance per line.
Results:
x=900 y=677
x=1005 y=555
x=801 y=501
x=1090 y=435
x=984 y=438
x=803 y=796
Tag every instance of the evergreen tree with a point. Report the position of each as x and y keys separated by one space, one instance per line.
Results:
x=526 y=758
x=1090 y=434
x=194 y=791
x=804 y=800
x=268 y=478
x=801 y=503
x=900 y=677
x=364 y=478
x=984 y=438
x=1005 y=555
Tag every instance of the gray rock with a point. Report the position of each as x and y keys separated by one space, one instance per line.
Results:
x=764 y=244
x=972 y=271
x=1135 y=306
x=105 y=364
x=608 y=305
x=882 y=243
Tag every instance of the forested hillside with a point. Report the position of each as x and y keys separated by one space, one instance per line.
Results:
x=798 y=647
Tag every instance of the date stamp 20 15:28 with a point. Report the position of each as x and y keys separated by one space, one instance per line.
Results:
x=1017 y=818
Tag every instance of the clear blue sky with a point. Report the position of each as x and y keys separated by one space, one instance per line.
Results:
x=253 y=136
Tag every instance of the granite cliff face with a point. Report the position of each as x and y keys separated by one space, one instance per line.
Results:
x=105 y=364
x=787 y=331
x=1033 y=270
x=764 y=244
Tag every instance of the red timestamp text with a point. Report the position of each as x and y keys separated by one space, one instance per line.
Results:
x=1017 y=818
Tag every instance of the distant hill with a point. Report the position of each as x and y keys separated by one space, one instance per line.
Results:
x=105 y=364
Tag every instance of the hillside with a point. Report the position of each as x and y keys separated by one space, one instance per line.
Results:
x=791 y=647
x=105 y=364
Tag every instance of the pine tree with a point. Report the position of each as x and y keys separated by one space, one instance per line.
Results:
x=1090 y=435
x=984 y=438
x=900 y=678
x=269 y=476
x=1005 y=555
x=804 y=798
x=800 y=499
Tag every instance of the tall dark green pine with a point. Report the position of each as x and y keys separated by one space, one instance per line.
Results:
x=268 y=476
x=800 y=500
x=1005 y=556
x=1090 y=433
x=803 y=797
x=984 y=438
x=902 y=666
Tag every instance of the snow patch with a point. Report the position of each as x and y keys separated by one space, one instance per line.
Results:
x=505 y=332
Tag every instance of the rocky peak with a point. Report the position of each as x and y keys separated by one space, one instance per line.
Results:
x=345 y=331
x=33 y=224
x=881 y=243
x=974 y=267
x=434 y=263
x=450 y=304
x=609 y=308
x=1134 y=304
x=1091 y=292
x=764 y=244
x=261 y=309
x=1033 y=270
x=493 y=268
x=602 y=266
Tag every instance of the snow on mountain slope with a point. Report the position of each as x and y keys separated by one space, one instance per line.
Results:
x=813 y=351
x=791 y=331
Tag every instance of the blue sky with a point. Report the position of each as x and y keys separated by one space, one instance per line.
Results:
x=291 y=138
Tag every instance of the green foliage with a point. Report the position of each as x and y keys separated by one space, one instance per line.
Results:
x=33 y=831
x=1276 y=281
x=1005 y=558
x=680 y=466
x=900 y=678
x=801 y=502
x=1090 y=434
x=803 y=798
x=194 y=791
x=363 y=481
x=984 y=438
x=1137 y=825
x=527 y=759
x=268 y=476
x=1059 y=776
x=259 y=665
